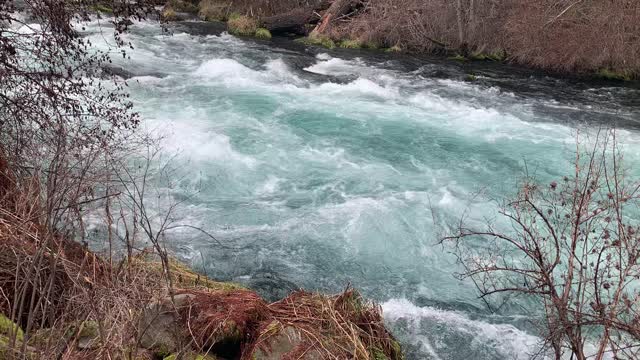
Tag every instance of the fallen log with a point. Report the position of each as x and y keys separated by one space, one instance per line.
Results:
x=295 y=21
x=337 y=9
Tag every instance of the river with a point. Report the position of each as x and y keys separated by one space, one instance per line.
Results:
x=321 y=168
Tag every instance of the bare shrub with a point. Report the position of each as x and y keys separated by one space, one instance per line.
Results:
x=572 y=245
x=575 y=35
x=558 y=35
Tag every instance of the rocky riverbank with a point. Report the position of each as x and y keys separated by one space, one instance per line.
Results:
x=197 y=318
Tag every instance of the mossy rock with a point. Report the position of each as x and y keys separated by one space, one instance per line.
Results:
x=183 y=276
x=263 y=34
x=471 y=77
x=8 y=328
x=350 y=44
x=242 y=26
x=318 y=40
x=89 y=335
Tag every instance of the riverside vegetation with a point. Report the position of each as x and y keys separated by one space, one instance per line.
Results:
x=66 y=141
x=585 y=37
x=70 y=146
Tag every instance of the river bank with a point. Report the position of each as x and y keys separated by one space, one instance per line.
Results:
x=496 y=36
x=139 y=309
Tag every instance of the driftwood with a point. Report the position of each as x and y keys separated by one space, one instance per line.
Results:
x=337 y=9
x=295 y=20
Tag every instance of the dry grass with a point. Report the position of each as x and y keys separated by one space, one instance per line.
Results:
x=577 y=36
x=242 y=25
x=221 y=9
x=343 y=326
x=56 y=289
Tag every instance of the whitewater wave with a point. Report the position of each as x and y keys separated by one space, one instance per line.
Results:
x=445 y=328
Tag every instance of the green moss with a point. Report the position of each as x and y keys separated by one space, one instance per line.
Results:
x=458 y=57
x=494 y=56
x=498 y=55
x=162 y=352
x=377 y=354
x=242 y=26
x=318 y=41
x=234 y=16
x=185 y=277
x=351 y=44
x=8 y=328
x=478 y=57
x=471 y=77
x=90 y=329
x=609 y=74
x=102 y=8
x=397 y=349
x=263 y=33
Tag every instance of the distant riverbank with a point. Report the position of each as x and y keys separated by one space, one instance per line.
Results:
x=581 y=39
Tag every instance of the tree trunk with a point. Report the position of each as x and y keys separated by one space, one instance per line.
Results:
x=337 y=9
x=295 y=20
x=460 y=22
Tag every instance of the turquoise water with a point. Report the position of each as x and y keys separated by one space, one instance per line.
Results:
x=322 y=169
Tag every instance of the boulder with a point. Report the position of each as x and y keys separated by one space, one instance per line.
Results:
x=278 y=341
x=159 y=324
x=89 y=335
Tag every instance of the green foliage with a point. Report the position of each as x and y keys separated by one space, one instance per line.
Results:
x=8 y=328
x=263 y=33
x=351 y=44
x=318 y=40
x=609 y=74
x=242 y=26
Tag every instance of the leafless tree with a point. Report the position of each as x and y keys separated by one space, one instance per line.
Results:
x=573 y=245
